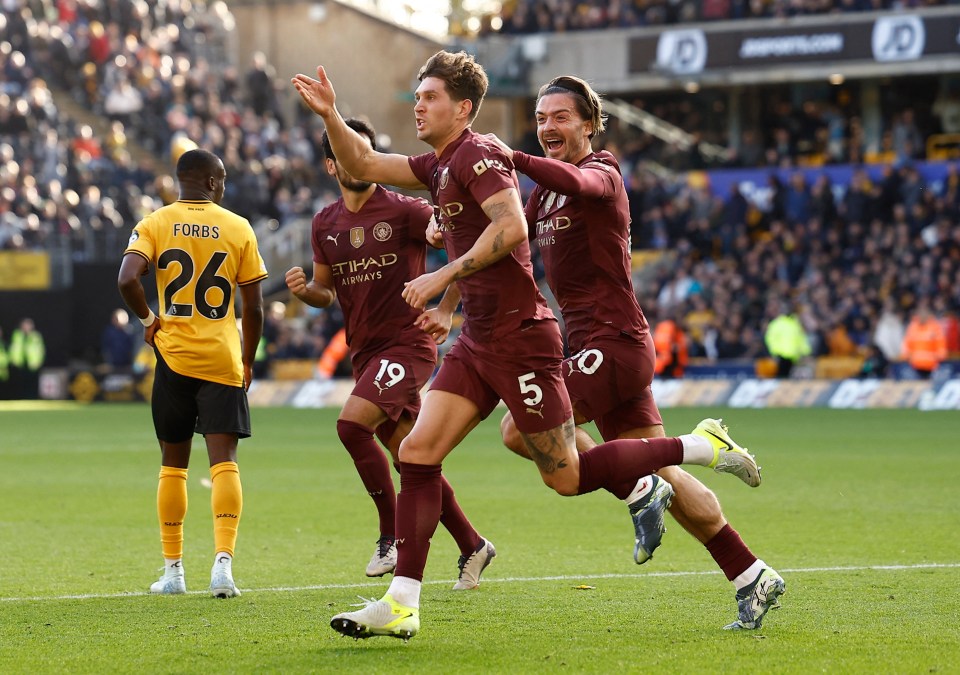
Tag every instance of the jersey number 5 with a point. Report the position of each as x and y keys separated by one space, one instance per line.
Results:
x=526 y=387
x=207 y=281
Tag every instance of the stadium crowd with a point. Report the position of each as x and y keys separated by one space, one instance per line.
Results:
x=544 y=16
x=145 y=67
x=856 y=266
x=858 y=259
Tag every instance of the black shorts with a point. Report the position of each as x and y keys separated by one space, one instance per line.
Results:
x=184 y=405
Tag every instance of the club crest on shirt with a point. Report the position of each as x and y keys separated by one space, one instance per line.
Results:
x=444 y=177
x=548 y=201
x=356 y=236
x=382 y=231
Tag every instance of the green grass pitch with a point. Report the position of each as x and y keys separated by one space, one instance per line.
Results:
x=857 y=511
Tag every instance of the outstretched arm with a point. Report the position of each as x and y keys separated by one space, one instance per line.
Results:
x=592 y=181
x=352 y=151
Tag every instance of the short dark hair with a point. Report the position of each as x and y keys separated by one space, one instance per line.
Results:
x=357 y=125
x=464 y=78
x=588 y=102
x=198 y=162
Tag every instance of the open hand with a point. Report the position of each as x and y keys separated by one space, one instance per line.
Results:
x=318 y=93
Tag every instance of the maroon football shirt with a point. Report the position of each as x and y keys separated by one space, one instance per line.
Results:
x=372 y=253
x=500 y=297
x=580 y=217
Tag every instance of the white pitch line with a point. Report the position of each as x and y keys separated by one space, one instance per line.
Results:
x=491 y=580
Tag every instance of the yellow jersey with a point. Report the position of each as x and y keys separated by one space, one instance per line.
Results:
x=201 y=252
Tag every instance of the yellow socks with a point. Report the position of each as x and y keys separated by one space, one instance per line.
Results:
x=227 y=503
x=171 y=509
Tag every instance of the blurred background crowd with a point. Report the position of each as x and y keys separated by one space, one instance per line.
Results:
x=853 y=262
x=538 y=16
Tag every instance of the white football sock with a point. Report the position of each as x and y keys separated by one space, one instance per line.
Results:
x=696 y=450
x=749 y=575
x=406 y=591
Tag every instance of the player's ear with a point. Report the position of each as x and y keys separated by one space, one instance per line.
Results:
x=330 y=166
x=465 y=107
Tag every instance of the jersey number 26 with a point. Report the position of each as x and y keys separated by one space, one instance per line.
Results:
x=207 y=281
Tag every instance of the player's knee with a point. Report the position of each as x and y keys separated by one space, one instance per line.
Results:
x=351 y=432
x=563 y=484
x=414 y=452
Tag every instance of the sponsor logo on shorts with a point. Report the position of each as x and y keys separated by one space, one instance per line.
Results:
x=535 y=411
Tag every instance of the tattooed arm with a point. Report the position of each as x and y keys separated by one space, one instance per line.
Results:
x=506 y=231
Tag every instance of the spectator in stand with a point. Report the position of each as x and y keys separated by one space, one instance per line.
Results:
x=787 y=341
x=906 y=138
x=924 y=344
x=889 y=331
x=950 y=324
x=260 y=80
x=670 y=341
x=27 y=353
x=118 y=344
x=5 y=385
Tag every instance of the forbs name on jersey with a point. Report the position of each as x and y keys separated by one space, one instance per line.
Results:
x=363 y=269
x=191 y=230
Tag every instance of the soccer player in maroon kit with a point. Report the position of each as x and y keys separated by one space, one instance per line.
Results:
x=510 y=346
x=579 y=216
x=366 y=245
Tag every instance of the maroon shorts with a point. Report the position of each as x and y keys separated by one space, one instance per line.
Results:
x=609 y=383
x=392 y=381
x=522 y=369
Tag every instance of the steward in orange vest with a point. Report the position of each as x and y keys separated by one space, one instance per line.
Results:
x=924 y=344
x=672 y=351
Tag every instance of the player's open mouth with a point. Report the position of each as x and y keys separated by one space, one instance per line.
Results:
x=553 y=144
x=420 y=124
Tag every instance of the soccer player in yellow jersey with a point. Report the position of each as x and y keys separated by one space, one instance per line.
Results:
x=202 y=253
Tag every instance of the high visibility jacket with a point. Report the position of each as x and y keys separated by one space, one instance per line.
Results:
x=786 y=338
x=671 y=344
x=4 y=363
x=334 y=353
x=27 y=350
x=924 y=344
